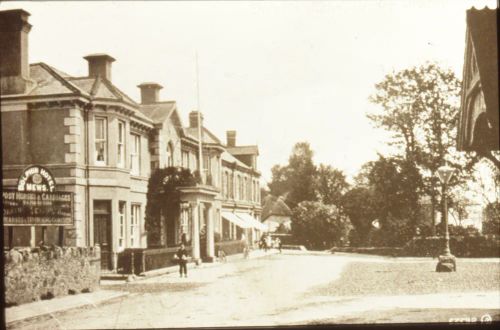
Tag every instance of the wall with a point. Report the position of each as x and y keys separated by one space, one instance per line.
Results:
x=34 y=274
x=26 y=138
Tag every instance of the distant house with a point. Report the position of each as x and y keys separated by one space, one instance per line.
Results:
x=478 y=128
x=275 y=213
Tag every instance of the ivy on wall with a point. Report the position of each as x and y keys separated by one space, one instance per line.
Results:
x=163 y=198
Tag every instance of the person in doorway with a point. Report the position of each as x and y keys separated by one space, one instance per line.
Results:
x=182 y=258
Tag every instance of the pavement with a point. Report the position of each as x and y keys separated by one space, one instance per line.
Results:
x=52 y=306
x=60 y=304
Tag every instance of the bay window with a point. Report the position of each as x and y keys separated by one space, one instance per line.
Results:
x=135 y=154
x=121 y=229
x=135 y=214
x=121 y=144
x=101 y=142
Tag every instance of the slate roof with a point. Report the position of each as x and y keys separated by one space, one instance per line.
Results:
x=243 y=150
x=482 y=25
x=159 y=111
x=231 y=159
x=50 y=81
x=275 y=206
x=208 y=137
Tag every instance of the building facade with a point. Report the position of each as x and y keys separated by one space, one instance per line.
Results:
x=102 y=146
x=478 y=128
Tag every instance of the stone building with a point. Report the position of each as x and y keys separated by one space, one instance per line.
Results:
x=102 y=146
x=478 y=128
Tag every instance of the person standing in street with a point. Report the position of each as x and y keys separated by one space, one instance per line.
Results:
x=278 y=243
x=182 y=258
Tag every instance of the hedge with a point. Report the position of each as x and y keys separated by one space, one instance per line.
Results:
x=479 y=246
x=381 y=251
x=230 y=247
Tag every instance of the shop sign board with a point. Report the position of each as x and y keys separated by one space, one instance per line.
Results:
x=36 y=178
x=28 y=208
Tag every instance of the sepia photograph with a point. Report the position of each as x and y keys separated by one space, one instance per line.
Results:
x=228 y=164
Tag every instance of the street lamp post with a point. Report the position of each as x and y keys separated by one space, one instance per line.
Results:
x=447 y=262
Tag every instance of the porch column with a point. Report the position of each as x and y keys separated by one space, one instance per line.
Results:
x=195 y=234
x=210 y=233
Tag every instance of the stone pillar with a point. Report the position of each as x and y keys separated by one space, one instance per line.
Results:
x=33 y=242
x=114 y=262
x=210 y=233
x=195 y=234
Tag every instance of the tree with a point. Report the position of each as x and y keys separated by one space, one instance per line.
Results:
x=487 y=175
x=395 y=184
x=295 y=180
x=491 y=223
x=420 y=106
x=330 y=185
x=359 y=204
x=319 y=226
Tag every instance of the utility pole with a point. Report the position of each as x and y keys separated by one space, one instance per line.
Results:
x=200 y=131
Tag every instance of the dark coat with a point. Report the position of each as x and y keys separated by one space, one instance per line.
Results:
x=182 y=253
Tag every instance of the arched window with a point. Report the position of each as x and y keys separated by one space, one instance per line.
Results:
x=225 y=191
x=238 y=187
x=476 y=107
x=170 y=155
x=244 y=197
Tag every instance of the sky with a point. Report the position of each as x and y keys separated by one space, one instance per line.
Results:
x=277 y=72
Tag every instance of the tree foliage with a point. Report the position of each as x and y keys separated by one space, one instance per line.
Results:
x=420 y=106
x=359 y=204
x=163 y=198
x=319 y=226
x=330 y=185
x=391 y=193
x=491 y=223
x=295 y=180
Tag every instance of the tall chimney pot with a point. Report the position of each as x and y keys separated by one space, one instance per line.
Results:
x=14 y=65
x=193 y=119
x=150 y=92
x=100 y=65
x=231 y=138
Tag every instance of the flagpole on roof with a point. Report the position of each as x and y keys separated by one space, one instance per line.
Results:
x=200 y=132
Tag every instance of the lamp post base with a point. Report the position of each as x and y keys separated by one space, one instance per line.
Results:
x=446 y=263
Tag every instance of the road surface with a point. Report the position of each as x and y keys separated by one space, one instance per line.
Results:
x=272 y=290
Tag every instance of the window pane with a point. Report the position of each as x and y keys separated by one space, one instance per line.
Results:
x=100 y=151
x=99 y=128
x=120 y=132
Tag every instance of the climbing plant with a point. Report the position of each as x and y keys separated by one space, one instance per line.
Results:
x=163 y=198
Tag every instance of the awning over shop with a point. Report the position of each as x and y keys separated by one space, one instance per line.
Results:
x=252 y=221
x=231 y=217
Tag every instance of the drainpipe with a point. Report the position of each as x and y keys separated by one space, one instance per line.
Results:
x=87 y=108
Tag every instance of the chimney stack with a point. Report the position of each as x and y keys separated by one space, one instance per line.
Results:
x=193 y=119
x=100 y=65
x=14 y=65
x=150 y=92
x=231 y=138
